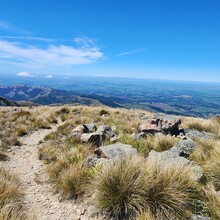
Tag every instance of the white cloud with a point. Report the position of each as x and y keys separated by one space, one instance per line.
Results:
x=24 y=74
x=49 y=76
x=131 y=52
x=53 y=55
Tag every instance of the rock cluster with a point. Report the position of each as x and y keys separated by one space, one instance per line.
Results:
x=160 y=123
x=88 y=133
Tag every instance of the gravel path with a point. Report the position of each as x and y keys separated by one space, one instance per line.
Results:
x=40 y=197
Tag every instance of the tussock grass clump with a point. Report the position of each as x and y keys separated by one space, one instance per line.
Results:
x=48 y=153
x=72 y=181
x=212 y=168
x=170 y=188
x=130 y=186
x=43 y=124
x=68 y=170
x=145 y=215
x=21 y=131
x=3 y=156
x=207 y=154
x=204 y=150
x=120 y=188
x=62 y=111
x=22 y=113
x=10 y=198
x=9 y=188
x=211 y=125
x=213 y=200
x=164 y=142
x=199 y=126
x=56 y=167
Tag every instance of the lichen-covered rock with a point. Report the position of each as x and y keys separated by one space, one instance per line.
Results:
x=183 y=148
x=194 y=134
x=171 y=157
x=115 y=151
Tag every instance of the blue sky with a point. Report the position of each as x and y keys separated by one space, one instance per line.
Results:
x=160 y=39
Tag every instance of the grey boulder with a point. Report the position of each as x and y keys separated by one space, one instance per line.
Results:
x=117 y=150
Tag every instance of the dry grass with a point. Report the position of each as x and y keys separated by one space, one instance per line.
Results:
x=72 y=181
x=10 y=197
x=162 y=143
x=145 y=215
x=16 y=124
x=207 y=155
x=212 y=168
x=204 y=150
x=3 y=156
x=129 y=186
x=213 y=199
x=134 y=188
x=120 y=189
x=208 y=125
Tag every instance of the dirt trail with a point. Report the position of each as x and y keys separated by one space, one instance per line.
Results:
x=40 y=198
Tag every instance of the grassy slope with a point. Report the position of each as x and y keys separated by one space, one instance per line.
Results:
x=158 y=188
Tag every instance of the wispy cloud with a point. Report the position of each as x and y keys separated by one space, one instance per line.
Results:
x=24 y=74
x=6 y=26
x=131 y=52
x=28 y=38
x=84 y=52
x=49 y=76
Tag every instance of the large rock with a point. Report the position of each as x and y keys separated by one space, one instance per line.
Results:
x=99 y=136
x=91 y=127
x=80 y=129
x=94 y=138
x=161 y=123
x=105 y=131
x=115 y=151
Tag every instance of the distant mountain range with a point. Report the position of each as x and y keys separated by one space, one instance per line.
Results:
x=25 y=95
